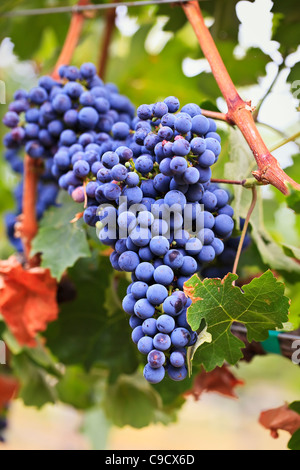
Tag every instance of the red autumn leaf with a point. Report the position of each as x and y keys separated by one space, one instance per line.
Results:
x=8 y=388
x=280 y=418
x=27 y=300
x=220 y=380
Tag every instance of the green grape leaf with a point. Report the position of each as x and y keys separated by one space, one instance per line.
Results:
x=293 y=78
x=87 y=332
x=76 y=388
x=209 y=105
x=226 y=23
x=36 y=388
x=176 y=17
x=172 y=393
x=243 y=71
x=60 y=242
x=203 y=337
x=129 y=394
x=131 y=65
x=294 y=442
x=295 y=406
x=294 y=170
x=286 y=25
x=261 y=306
x=7 y=5
x=42 y=358
x=293 y=200
x=2 y=327
x=292 y=251
x=26 y=45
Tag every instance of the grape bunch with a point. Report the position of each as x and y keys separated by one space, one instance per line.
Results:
x=143 y=191
x=145 y=184
x=61 y=122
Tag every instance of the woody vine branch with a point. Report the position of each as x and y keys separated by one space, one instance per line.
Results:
x=240 y=113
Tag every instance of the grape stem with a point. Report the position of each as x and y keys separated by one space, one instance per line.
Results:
x=247 y=182
x=239 y=111
x=29 y=226
x=72 y=39
x=286 y=141
x=217 y=115
x=106 y=40
x=244 y=231
x=218 y=180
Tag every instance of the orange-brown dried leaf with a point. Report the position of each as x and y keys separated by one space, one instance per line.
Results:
x=27 y=300
x=8 y=389
x=220 y=380
x=189 y=292
x=282 y=418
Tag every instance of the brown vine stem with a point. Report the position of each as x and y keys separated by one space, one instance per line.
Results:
x=216 y=115
x=239 y=111
x=29 y=225
x=247 y=182
x=218 y=180
x=106 y=40
x=244 y=231
x=72 y=39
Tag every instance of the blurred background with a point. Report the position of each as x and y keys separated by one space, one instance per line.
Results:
x=213 y=423
x=153 y=53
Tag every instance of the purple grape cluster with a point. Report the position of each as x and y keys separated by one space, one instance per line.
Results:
x=68 y=124
x=166 y=168
x=136 y=176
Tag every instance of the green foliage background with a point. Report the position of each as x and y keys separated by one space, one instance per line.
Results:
x=102 y=369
